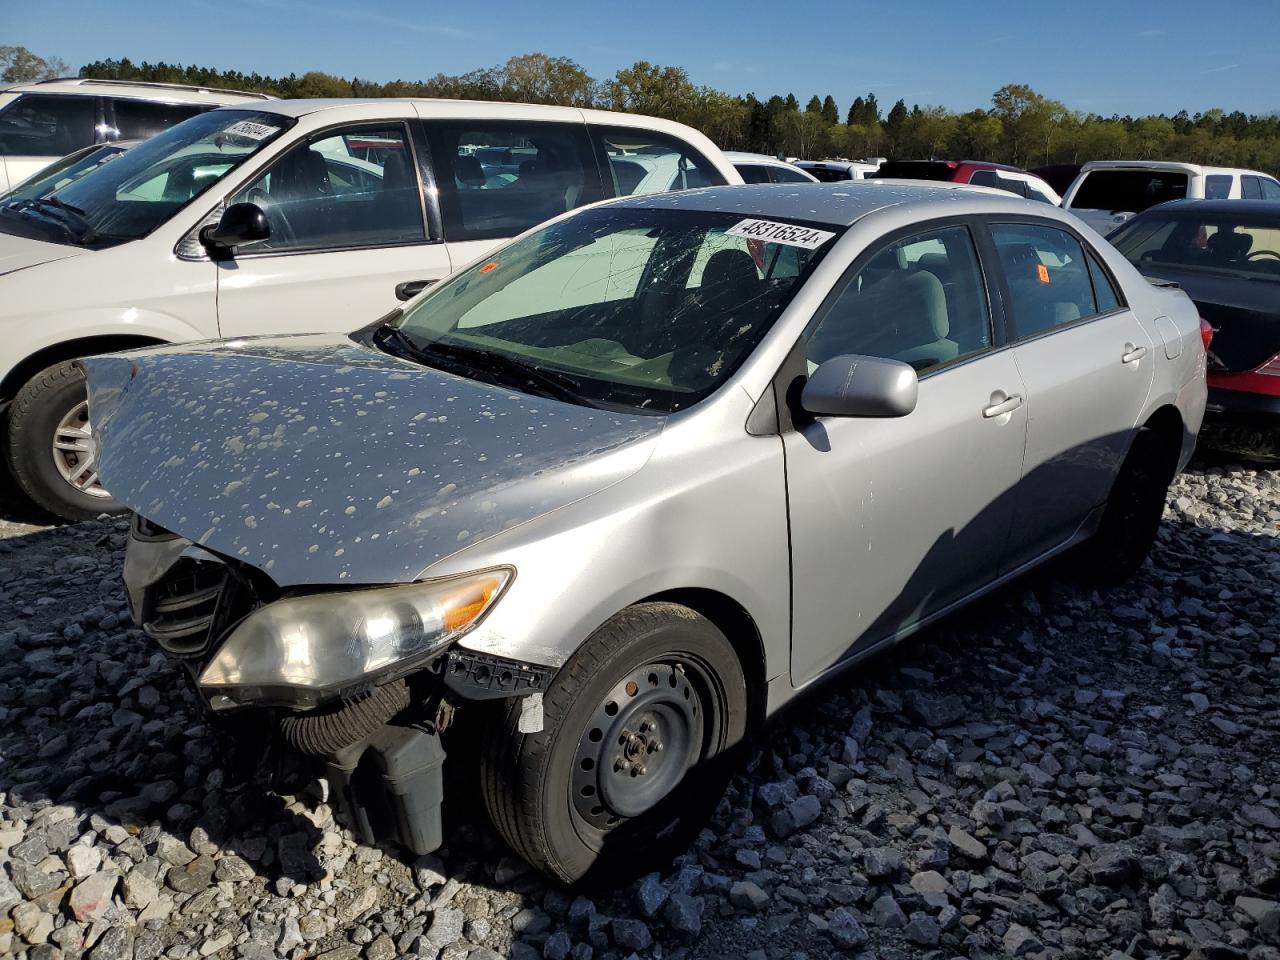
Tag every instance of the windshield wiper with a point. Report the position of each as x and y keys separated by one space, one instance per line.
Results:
x=456 y=356
x=73 y=218
x=514 y=370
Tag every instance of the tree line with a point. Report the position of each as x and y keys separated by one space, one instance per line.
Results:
x=1021 y=126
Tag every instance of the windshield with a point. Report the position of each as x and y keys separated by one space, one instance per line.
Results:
x=1128 y=191
x=135 y=193
x=71 y=167
x=1245 y=244
x=635 y=308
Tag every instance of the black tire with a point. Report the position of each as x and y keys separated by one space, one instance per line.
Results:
x=535 y=785
x=1133 y=511
x=37 y=411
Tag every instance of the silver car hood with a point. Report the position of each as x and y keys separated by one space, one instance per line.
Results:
x=321 y=461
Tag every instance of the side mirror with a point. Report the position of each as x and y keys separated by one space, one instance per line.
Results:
x=241 y=223
x=857 y=386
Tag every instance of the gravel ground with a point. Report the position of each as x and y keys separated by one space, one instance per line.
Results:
x=1055 y=773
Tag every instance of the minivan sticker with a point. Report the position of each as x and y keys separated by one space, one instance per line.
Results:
x=771 y=231
x=251 y=130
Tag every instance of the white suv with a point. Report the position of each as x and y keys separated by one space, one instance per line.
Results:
x=40 y=122
x=1106 y=193
x=286 y=216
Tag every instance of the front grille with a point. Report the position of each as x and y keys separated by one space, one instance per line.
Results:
x=182 y=608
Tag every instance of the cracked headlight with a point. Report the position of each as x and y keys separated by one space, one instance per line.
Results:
x=302 y=650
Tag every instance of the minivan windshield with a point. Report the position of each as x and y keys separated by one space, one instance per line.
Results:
x=643 y=309
x=57 y=175
x=136 y=192
x=1245 y=244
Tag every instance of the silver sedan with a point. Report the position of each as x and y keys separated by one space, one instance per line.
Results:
x=630 y=484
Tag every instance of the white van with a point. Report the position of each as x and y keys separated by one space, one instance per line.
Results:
x=288 y=216
x=42 y=121
x=1106 y=193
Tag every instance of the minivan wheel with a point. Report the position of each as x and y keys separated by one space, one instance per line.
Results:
x=635 y=752
x=51 y=451
x=1133 y=511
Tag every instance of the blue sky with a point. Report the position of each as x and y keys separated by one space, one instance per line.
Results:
x=1121 y=56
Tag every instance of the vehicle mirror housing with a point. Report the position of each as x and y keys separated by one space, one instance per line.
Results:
x=241 y=223
x=858 y=386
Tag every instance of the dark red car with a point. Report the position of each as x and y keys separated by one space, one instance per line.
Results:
x=1225 y=254
x=978 y=172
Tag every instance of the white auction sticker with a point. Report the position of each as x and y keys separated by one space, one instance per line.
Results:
x=771 y=231
x=251 y=130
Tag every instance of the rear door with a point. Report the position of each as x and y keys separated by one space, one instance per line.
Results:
x=894 y=519
x=1087 y=364
x=348 y=227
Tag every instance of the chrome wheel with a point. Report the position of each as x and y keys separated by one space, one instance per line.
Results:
x=75 y=454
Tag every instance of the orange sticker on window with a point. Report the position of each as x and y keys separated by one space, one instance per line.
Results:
x=493 y=265
x=1042 y=272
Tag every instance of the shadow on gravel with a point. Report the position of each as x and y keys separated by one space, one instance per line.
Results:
x=98 y=730
x=15 y=507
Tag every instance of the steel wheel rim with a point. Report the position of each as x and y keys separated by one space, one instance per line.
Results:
x=75 y=454
x=638 y=744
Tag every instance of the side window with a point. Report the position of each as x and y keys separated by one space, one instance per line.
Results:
x=920 y=300
x=1217 y=186
x=42 y=125
x=753 y=172
x=643 y=162
x=1270 y=190
x=322 y=194
x=498 y=178
x=1047 y=274
x=139 y=119
x=983 y=178
x=1104 y=290
x=785 y=175
x=1251 y=188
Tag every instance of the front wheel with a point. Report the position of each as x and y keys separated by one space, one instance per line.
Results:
x=51 y=451
x=1132 y=512
x=635 y=750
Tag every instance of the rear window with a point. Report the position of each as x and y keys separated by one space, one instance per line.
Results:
x=916 y=170
x=830 y=174
x=1129 y=191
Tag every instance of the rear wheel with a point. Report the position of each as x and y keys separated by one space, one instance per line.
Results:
x=1132 y=513
x=51 y=450
x=635 y=751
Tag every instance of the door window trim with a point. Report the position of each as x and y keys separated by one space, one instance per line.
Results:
x=987 y=221
x=322 y=134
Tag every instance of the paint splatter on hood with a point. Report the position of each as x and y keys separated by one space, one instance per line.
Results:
x=320 y=461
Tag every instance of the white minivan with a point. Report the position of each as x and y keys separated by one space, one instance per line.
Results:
x=1106 y=193
x=286 y=216
x=48 y=119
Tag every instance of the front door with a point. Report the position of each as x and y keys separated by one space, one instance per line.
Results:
x=894 y=519
x=1088 y=366
x=347 y=228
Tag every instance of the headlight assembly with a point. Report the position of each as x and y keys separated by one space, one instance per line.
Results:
x=301 y=650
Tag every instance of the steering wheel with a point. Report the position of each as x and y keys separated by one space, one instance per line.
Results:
x=1263 y=254
x=280 y=225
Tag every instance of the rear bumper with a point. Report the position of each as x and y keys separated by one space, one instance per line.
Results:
x=1234 y=406
x=1247 y=424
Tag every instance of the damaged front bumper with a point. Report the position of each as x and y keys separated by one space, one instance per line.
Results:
x=380 y=746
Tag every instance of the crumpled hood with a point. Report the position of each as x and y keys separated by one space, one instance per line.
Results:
x=18 y=253
x=321 y=461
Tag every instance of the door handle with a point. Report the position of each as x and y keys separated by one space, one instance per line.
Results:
x=1132 y=354
x=411 y=288
x=1002 y=407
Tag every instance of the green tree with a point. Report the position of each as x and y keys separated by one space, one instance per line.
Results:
x=814 y=105
x=538 y=78
x=830 y=113
x=20 y=65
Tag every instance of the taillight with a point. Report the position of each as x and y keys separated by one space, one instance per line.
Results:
x=1271 y=368
x=1206 y=333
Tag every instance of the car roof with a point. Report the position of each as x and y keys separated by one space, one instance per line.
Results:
x=135 y=90
x=834 y=204
x=741 y=156
x=1246 y=207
